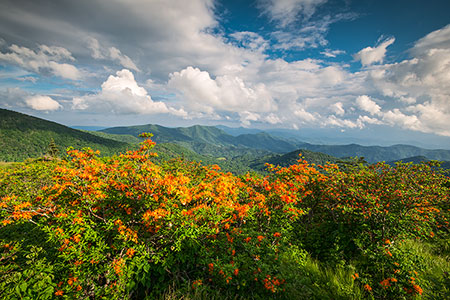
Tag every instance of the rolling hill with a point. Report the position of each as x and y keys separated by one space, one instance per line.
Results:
x=228 y=142
x=23 y=136
x=291 y=158
x=418 y=160
x=209 y=139
x=374 y=154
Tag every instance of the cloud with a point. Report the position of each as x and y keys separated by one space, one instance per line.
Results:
x=420 y=84
x=369 y=120
x=112 y=53
x=121 y=94
x=370 y=55
x=247 y=117
x=334 y=121
x=305 y=117
x=45 y=60
x=14 y=98
x=435 y=119
x=222 y=94
x=206 y=73
x=124 y=60
x=396 y=118
x=286 y=12
x=311 y=34
x=332 y=53
x=438 y=39
x=250 y=40
x=27 y=78
x=95 y=48
x=338 y=108
x=365 y=103
x=40 y=102
x=163 y=36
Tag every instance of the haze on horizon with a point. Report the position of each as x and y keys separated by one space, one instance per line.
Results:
x=369 y=67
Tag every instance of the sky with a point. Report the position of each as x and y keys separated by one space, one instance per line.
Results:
x=366 y=67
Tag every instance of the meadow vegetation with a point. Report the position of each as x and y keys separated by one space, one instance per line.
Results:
x=130 y=226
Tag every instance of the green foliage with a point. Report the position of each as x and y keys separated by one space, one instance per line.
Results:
x=132 y=226
x=52 y=149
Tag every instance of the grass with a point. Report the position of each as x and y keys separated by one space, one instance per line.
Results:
x=6 y=165
x=310 y=279
x=435 y=268
x=306 y=277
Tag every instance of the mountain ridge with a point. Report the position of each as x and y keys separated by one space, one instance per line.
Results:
x=23 y=136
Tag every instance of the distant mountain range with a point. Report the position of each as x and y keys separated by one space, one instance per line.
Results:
x=195 y=136
x=418 y=160
x=239 y=150
x=374 y=154
x=190 y=136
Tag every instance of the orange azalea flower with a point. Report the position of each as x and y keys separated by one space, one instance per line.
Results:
x=418 y=289
x=59 y=293
x=277 y=234
x=385 y=283
x=367 y=287
x=130 y=252
x=78 y=262
x=76 y=238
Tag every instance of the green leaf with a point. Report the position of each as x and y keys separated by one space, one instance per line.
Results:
x=23 y=286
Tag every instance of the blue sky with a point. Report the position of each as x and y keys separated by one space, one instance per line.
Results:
x=380 y=68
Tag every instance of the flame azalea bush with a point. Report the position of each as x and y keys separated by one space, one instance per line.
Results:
x=367 y=212
x=124 y=227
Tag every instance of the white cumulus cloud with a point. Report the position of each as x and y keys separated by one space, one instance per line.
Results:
x=121 y=94
x=397 y=118
x=421 y=84
x=370 y=55
x=438 y=39
x=222 y=94
x=39 y=102
x=365 y=103
x=338 y=108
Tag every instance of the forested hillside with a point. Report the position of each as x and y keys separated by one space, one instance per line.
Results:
x=374 y=154
x=196 y=137
x=23 y=136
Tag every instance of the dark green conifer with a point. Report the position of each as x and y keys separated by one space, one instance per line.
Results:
x=52 y=149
